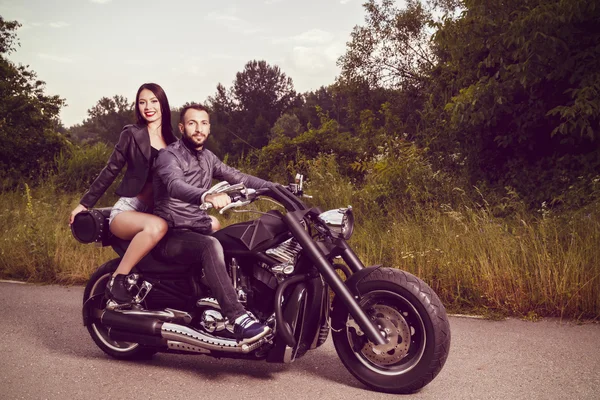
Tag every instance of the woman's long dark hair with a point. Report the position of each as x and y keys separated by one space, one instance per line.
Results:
x=167 y=130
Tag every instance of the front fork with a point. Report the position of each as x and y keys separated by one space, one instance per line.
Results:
x=332 y=278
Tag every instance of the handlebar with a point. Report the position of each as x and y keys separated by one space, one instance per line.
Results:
x=239 y=194
x=242 y=196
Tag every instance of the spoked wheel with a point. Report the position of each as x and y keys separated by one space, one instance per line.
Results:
x=413 y=321
x=94 y=293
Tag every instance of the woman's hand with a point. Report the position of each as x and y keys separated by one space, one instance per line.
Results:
x=76 y=211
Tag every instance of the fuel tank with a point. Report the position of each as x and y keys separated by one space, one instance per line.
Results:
x=255 y=235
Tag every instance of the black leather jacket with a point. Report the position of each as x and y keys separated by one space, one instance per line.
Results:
x=132 y=149
x=182 y=175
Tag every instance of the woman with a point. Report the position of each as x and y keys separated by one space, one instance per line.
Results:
x=131 y=217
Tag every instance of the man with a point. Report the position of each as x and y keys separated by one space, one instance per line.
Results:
x=183 y=172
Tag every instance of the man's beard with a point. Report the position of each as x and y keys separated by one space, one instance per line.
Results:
x=191 y=143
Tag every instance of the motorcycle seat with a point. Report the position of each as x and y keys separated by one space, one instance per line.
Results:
x=150 y=264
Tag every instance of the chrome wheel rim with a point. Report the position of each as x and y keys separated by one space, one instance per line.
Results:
x=100 y=330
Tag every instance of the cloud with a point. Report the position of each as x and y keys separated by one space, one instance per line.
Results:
x=232 y=22
x=25 y=24
x=314 y=51
x=344 y=1
x=272 y=1
x=139 y=62
x=317 y=59
x=59 y=59
x=308 y=38
x=58 y=25
x=316 y=36
x=191 y=70
x=307 y=59
x=100 y=1
x=222 y=56
x=217 y=16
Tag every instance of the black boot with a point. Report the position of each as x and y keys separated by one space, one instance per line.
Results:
x=117 y=291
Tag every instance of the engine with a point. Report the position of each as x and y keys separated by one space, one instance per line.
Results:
x=255 y=284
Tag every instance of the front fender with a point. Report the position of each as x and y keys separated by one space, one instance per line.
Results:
x=355 y=279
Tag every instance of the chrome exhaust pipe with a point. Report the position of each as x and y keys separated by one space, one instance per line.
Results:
x=144 y=340
x=131 y=323
x=190 y=336
x=146 y=330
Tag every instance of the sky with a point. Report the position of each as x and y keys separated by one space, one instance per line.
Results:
x=88 y=49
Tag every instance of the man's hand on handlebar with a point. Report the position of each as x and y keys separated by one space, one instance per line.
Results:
x=218 y=200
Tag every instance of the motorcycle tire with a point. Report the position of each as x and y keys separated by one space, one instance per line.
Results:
x=99 y=333
x=414 y=321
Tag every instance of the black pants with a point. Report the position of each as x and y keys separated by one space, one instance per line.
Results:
x=202 y=251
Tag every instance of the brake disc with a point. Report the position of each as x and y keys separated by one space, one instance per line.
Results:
x=397 y=332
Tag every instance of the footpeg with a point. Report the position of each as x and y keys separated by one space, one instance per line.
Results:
x=143 y=292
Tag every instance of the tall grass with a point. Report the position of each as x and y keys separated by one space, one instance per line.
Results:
x=525 y=263
x=35 y=238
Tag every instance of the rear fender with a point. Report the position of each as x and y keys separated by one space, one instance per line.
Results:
x=88 y=308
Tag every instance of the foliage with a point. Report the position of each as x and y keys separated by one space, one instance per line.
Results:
x=243 y=116
x=106 y=121
x=28 y=118
x=531 y=262
x=287 y=125
x=284 y=156
x=78 y=166
x=402 y=178
x=35 y=240
x=524 y=81
x=392 y=49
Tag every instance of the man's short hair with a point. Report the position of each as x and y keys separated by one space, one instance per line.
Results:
x=195 y=106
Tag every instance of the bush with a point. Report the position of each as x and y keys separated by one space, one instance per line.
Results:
x=77 y=167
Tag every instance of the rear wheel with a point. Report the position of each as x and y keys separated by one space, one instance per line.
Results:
x=93 y=299
x=413 y=320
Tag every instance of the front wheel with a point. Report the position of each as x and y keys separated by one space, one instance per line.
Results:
x=93 y=298
x=413 y=320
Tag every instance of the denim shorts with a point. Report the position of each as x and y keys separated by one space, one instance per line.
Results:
x=127 y=204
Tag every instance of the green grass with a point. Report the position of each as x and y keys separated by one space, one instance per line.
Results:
x=529 y=265
x=36 y=244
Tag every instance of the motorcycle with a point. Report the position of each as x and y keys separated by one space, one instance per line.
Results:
x=389 y=328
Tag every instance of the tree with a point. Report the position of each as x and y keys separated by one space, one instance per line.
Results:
x=324 y=97
x=261 y=89
x=287 y=125
x=221 y=120
x=389 y=60
x=106 y=120
x=245 y=113
x=28 y=117
x=524 y=84
x=392 y=50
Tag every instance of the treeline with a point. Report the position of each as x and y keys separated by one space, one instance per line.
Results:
x=498 y=95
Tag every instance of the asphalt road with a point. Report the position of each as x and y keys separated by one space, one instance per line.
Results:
x=46 y=353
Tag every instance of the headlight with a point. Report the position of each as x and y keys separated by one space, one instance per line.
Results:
x=339 y=221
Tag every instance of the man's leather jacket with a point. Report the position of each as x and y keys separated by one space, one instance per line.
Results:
x=133 y=149
x=182 y=175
